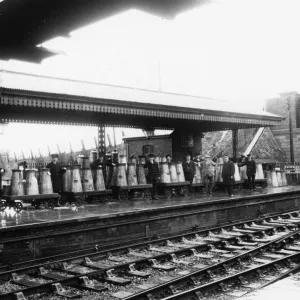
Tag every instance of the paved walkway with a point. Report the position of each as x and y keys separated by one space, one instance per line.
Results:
x=286 y=289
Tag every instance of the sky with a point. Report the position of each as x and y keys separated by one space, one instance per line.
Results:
x=243 y=51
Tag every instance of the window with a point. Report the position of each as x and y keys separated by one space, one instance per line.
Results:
x=147 y=149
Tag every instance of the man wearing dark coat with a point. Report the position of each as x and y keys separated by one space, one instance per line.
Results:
x=189 y=170
x=153 y=174
x=251 y=171
x=228 y=175
x=56 y=172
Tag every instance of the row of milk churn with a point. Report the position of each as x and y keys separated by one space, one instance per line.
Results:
x=169 y=172
x=126 y=174
x=83 y=179
x=274 y=178
x=30 y=185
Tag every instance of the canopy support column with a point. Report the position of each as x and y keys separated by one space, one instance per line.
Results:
x=101 y=140
x=234 y=143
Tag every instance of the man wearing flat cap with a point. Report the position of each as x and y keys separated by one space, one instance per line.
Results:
x=251 y=171
x=56 y=172
x=208 y=172
x=153 y=174
x=189 y=170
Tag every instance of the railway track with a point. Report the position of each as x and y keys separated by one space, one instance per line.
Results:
x=232 y=259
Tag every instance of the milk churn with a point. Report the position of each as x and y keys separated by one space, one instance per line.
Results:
x=173 y=172
x=17 y=186
x=284 y=180
x=31 y=187
x=109 y=176
x=163 y=159
x=180 y=174
x=122 y=159
x=85 y=162
x=142 y=159
x=274 y=179
x=66 y=180
x=219 y=169
x=87 y=180
x=259 y=172
x=157 y=159
x=236 y=173
x=197 y=176
x=141 y=177
x=279 y=179
x=99 y=180
x=45 y=182
x=269 y=178
x=76 y=186
x=113 y=181
x=93 y=156
x=121 y=179
x=131 y=174
x=165 y=176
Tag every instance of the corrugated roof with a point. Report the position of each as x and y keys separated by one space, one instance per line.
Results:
x=45 y=84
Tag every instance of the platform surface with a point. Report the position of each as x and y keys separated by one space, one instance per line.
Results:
x=288 y=288
x=30 y=216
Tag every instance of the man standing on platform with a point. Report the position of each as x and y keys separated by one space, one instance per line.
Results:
x=153 y=174
x=208 y=172
x=228 y=175
x=189 y=169
x=168 y=158
x=197 y=159
x=56 y=172
x=251 y=171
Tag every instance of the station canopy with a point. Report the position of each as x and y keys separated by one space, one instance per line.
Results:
x=25 y=24
x=41 y=99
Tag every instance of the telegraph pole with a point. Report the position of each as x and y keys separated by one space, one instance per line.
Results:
x=291 y=129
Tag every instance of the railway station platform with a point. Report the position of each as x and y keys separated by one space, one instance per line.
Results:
x=288 y=288
x=35 y=233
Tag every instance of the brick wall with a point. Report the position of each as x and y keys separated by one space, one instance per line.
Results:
x=162 y=145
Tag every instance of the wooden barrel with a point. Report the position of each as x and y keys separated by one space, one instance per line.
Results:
x=121 y=179
x=85 y=162
x=236 y=173
x=17 y=186
x=31 y=187
x=180 y=173
x=140 y=171
x=76 y=186
x=259 y=172
x=131 y=174
x=87 y=180
x=66 y=180
x=173 y=172
x=45 y=182
x=99 y=183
